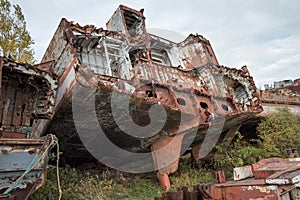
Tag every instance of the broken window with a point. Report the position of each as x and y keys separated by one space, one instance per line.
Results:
x=136 y=54
x=134 y=23
x=106 y=55
x=160 y=56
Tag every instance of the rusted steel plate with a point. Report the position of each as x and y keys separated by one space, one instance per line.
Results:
x=270 y=166
x=240 y=173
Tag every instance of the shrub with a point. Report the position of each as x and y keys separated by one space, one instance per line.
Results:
x=239 y=153
x=278 y=133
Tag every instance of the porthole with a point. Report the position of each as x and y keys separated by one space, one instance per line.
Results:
x=181 y=101
x=149 y=94
x=203 y=105
x=224 y=107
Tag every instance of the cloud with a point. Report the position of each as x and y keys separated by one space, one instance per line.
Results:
x=265 y=35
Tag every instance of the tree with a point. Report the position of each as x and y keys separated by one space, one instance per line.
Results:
x=15 y=40
x=279 y=132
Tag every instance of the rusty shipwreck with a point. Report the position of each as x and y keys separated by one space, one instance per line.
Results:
x=285 y=93
x=200 y=97
x=27 y=95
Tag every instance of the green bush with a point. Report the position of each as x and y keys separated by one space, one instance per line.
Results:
x=239 y=153
x=278 y=133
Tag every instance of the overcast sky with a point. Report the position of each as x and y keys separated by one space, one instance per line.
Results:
x=262 y=34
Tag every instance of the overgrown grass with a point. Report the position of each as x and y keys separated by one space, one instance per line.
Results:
x=188 y=176
x=111 y=184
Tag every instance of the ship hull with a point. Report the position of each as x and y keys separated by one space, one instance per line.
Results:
x=73 y=128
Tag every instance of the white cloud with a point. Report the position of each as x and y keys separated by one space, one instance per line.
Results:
x=265 y=35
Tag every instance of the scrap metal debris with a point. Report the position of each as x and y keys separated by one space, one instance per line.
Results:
x=272 y=178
